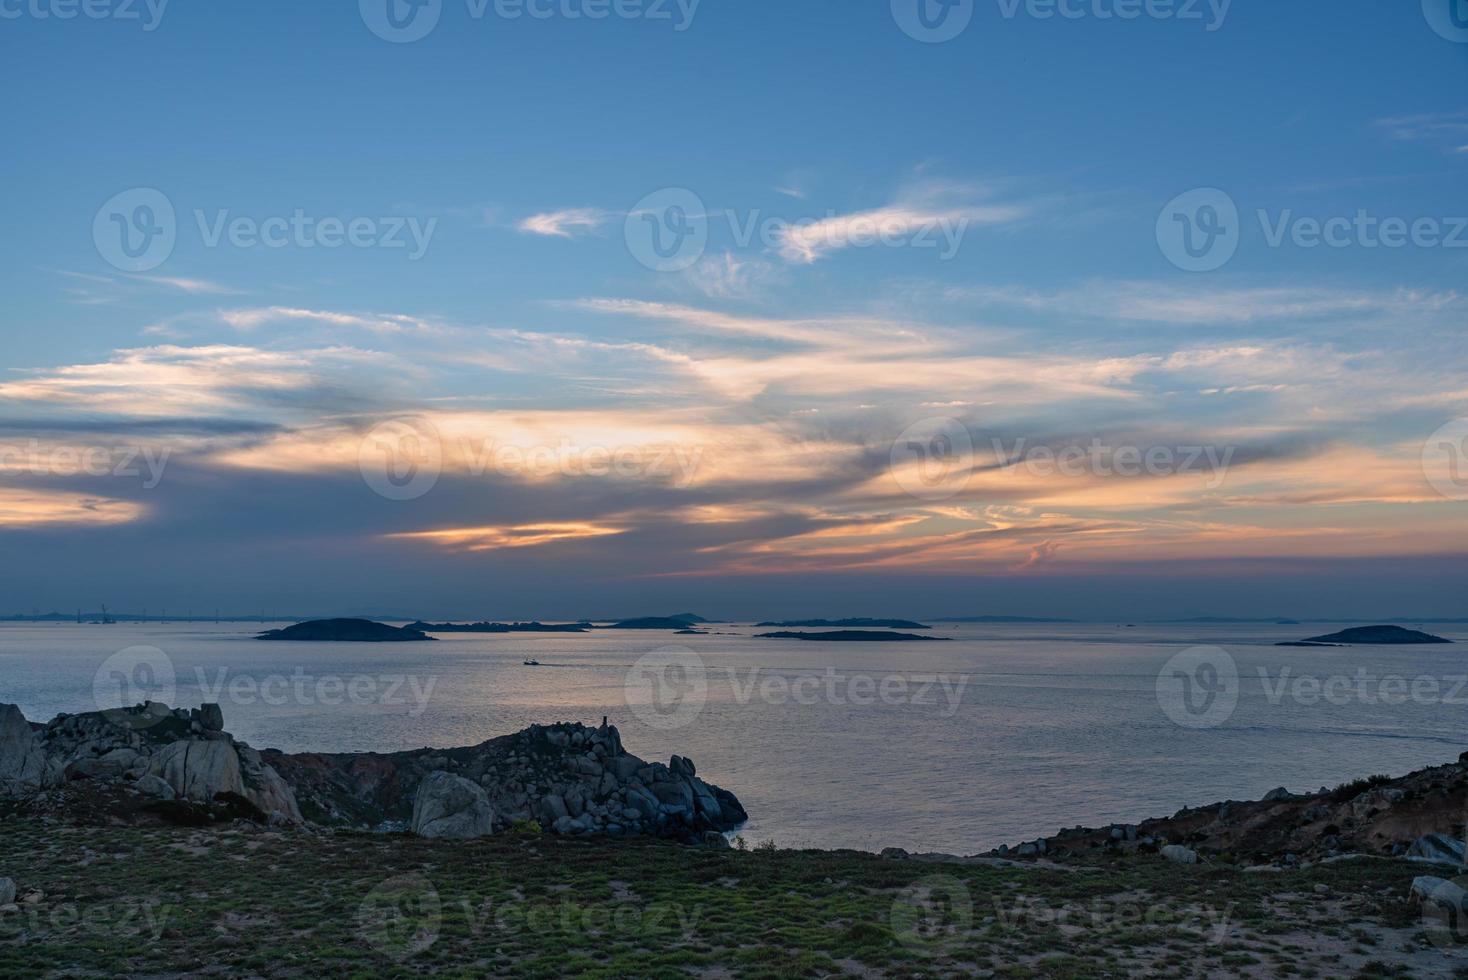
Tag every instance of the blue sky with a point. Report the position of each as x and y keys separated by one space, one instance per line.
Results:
x=1020 y=173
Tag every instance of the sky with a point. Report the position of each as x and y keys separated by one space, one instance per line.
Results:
x=564 y=308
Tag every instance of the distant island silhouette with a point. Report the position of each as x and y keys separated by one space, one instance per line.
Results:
x=345 y=631
x=1378 y=635
x=844 y=636
x=858 y=623
x=533 y=627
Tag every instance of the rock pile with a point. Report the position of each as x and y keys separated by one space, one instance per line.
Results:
x=150 y=750
x=568 y=778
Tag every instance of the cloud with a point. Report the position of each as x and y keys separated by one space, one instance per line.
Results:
x=896 y=224
x=1426 y=126
x=495 y=538
x=186 y=285
x=383 y=323
x=569 y=223
x=1160 y=303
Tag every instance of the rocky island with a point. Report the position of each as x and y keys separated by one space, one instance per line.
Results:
x=532 y=627
x=345 y=631
x=848 y=636
x=857 y=623
x=1373 y=635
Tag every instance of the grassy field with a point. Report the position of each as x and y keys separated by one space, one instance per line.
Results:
x=243 y=901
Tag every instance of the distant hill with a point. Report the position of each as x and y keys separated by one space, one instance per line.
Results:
x=1395 y=635
x=651 y=623
x=893 y=624
x=499 y=627
x=852 y=636
x=690 y=618
x=1232 y=619
x=1001 y=619
x=345 y=631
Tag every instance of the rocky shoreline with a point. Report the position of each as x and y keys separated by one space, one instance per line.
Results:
x=179 y=766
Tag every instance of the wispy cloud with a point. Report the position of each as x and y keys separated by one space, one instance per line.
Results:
x=383 y=323
x=1160 y=303
x=187 y=285
x=568 y=223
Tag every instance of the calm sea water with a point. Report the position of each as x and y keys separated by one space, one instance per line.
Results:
x=1039 y=727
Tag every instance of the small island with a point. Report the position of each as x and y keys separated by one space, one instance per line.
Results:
x=345 y=631
x=1375 y=635
x=653 y=623
x=857 y=623
x=848 y=636
x=532 y=627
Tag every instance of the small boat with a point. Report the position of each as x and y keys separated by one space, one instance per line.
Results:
x=532 y=663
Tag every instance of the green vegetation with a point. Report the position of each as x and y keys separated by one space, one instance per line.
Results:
x=247 y=901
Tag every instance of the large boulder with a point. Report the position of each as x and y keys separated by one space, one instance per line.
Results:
x=451 y=806
x=1437 y=848
x=199 y=770
x=25 y=767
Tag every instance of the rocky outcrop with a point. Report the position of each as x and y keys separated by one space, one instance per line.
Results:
x=1419 y=816
x=569 y=778
x=450 y=806
x=151 y=751
x=179 y=763
x=25 y=766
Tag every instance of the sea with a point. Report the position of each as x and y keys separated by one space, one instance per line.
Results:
x=997 y=734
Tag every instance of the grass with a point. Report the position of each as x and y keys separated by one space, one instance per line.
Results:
x=245 y=901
